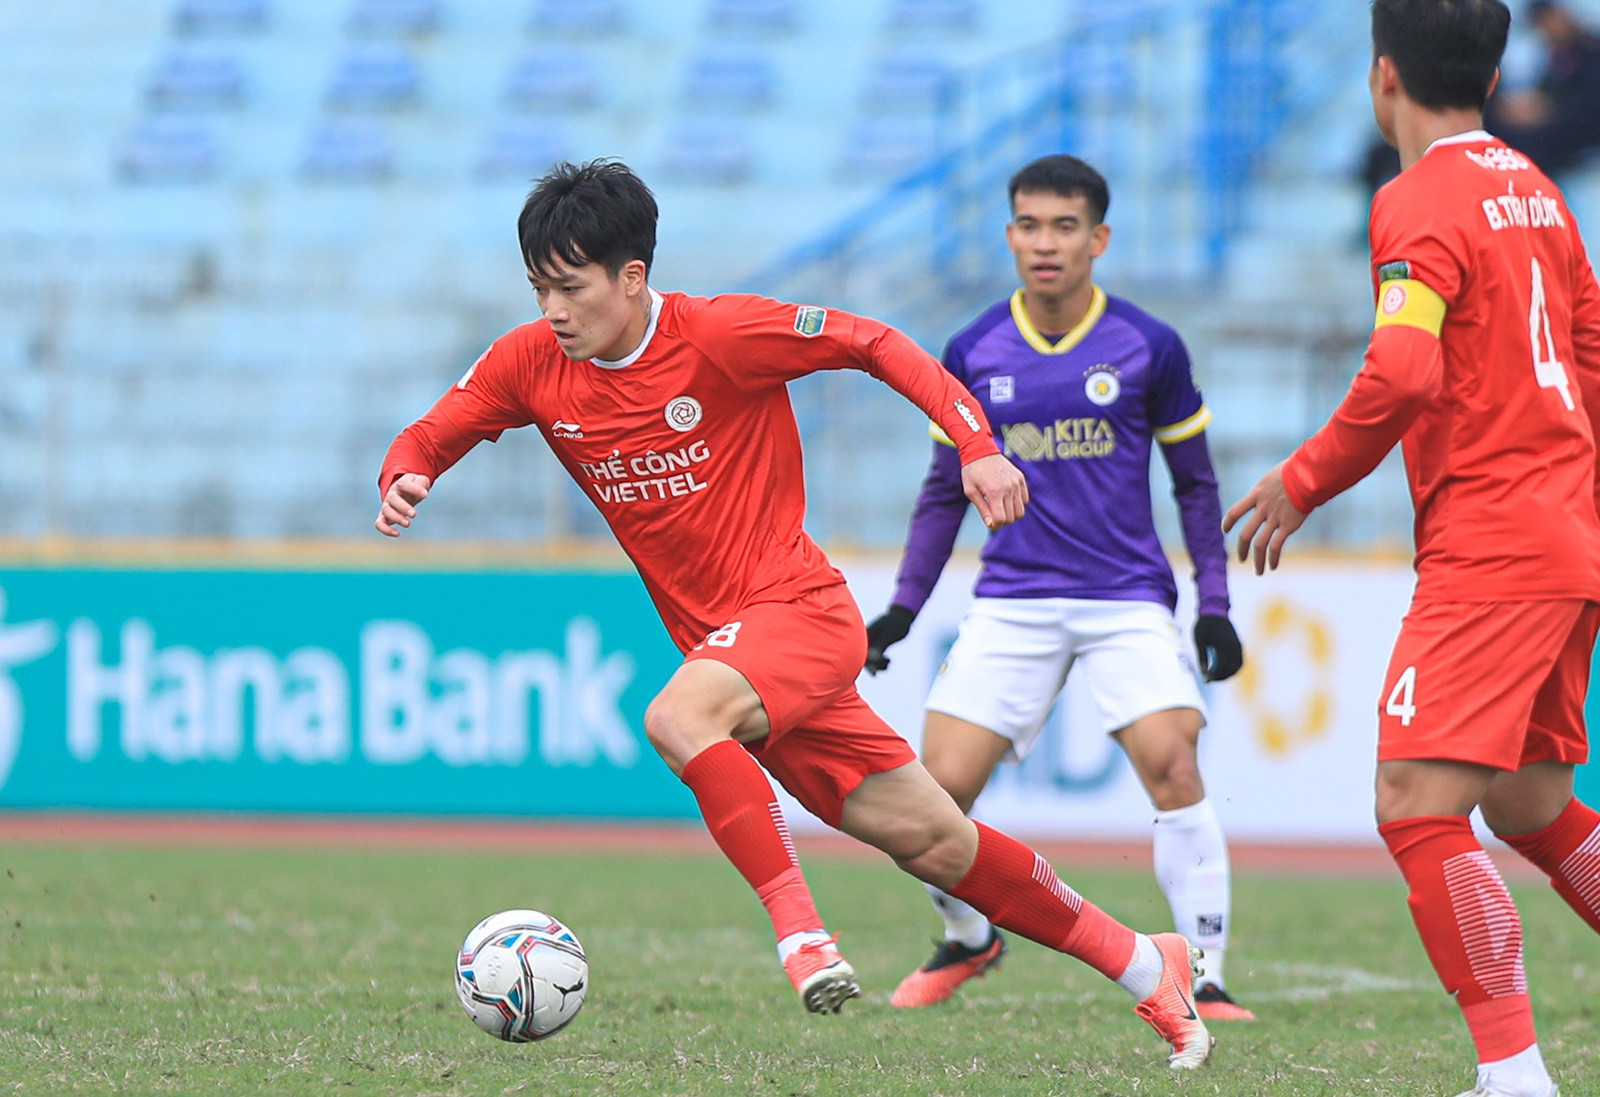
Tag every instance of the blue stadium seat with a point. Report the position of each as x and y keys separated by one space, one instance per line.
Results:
x=375 y=77
x=192 y=80
x=576 y=17
x=542 y=78
x=910 y=83
x=517 y=147
x=951 y=16
x=382 y=18
x=708 y=150
x=765 y=16
x=727 y=80
x=348 y=150
x=219 y=16
x=882 y=147
x=169 y=149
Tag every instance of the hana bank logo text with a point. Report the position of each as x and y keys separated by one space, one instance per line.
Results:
x=404 y=701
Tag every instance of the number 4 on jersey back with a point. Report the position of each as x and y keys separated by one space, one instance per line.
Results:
x=1547 y=368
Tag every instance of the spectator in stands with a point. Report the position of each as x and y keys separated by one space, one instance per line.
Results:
x=1556 y=123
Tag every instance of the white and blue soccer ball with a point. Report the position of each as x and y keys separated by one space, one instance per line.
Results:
x=521 y=975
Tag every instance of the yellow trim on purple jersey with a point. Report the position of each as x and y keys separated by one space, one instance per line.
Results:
x=1019 y=316
x=1411 y=303
x=1184 y=429
x=936 y=432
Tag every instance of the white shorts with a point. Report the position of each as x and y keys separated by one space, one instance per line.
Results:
x=1012 y=657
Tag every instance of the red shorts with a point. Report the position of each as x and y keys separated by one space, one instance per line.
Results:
x=1499 y=684
x=802 y=658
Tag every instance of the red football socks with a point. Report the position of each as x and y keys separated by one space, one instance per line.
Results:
x=1469 y=927
x=744 y=818
x=1018 y=890
x=1568 y=851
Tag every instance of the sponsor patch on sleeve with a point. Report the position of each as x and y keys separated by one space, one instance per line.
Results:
x=808 y=320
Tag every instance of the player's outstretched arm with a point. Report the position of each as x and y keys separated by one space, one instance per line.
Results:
x=400 y=503
x=1273 y=521
x=997 y=488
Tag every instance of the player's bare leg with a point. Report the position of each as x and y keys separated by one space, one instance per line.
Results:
x=961 y=757
x=1190 y=851
x=905 y=813
x=696 y=724
x=1456 y=896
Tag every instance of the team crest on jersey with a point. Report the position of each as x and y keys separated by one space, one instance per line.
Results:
x=1002 y=390
x=1102 y=385
x=808 y=320
x=1397 y=271
x=684 y=413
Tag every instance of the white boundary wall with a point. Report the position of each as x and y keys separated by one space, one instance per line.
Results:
x=1287 y=757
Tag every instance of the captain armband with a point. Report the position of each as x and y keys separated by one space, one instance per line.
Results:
x=1410 y=303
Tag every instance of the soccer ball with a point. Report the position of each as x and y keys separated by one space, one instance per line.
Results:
x=521 y=975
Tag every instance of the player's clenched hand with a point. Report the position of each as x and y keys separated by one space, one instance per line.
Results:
x=400 y=502
x=996 y=488
x=1274 y=520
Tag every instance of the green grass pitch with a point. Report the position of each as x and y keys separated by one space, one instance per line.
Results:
x=259 y=971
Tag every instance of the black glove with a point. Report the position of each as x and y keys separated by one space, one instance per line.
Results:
x=891 y=628
x=1221 y=656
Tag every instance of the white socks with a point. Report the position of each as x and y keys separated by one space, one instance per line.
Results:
x=1521 y=1075
x=1144 y=971
x=962 y=924
x=1191 y=863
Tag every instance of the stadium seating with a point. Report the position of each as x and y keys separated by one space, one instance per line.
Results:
x=767 y=16
x=375 y=77
x=193 y=80
x=348 y=150
x=385 y=18
x=322 y=194
x=521 y=148
x=166 y=149
x=729 y=80
x=545 y=79
x=199 y=17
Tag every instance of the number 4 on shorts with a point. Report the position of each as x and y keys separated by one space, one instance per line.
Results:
x=1401 y=697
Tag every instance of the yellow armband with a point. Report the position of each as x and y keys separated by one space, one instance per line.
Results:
x=1412 y=303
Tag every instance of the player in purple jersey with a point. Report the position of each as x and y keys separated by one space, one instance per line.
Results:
x=1078 y=385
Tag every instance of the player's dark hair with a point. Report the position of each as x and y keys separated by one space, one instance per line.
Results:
x=1067 y=176
x=594 y=212
x=1446 y=51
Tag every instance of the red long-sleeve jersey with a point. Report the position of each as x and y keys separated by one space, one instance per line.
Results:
x=1485 y=366
x=689 y=449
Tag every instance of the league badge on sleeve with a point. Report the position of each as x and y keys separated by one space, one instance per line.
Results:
x=808 y=320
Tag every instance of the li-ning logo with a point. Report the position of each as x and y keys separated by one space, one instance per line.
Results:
x=684 y=413
x=566 y=430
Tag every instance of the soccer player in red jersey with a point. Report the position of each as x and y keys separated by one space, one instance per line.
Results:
x=672 y=413
x=1485 y=365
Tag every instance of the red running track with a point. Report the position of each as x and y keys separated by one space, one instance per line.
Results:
x=445 y=832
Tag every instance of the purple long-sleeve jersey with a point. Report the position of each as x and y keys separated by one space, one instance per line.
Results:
x=1077 y=415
